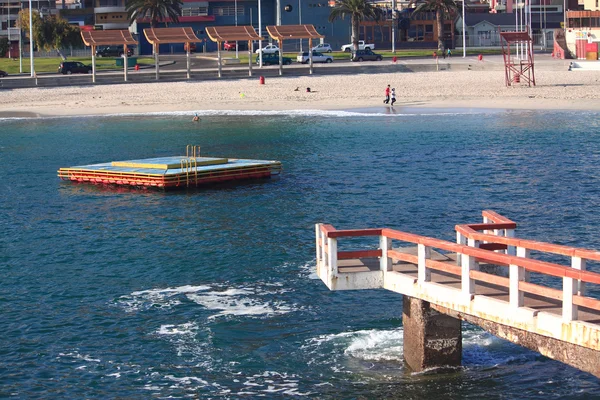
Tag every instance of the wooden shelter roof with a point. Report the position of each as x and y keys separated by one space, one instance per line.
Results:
x=231 y=33
x=171 y=35
x=281 y=32
x=106 y=38
x=512 y=37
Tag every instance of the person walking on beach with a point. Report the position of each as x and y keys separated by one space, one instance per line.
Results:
x=393 y=96
x=387 y=95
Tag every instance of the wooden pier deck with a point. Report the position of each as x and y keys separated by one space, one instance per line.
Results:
x=487 y=278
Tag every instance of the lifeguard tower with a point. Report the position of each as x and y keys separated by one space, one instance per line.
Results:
x=523 y=71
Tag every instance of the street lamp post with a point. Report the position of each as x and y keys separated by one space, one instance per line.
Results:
x=260 y=58
x=464 y=31
x=237 y=55
x=21 y=38
x=31 y=39
x=300 y=20
x=394 y=26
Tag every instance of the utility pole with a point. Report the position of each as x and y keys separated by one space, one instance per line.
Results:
x=31 y=38
x=394 y=23
x=260 y=63
x=278 y=14
x=464 y=32
x=300 y=21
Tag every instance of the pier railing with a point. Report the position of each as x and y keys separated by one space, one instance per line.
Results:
x=491 y=235
x=475 y=246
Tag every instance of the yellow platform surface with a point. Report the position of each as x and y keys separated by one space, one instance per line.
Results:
x=165 y=163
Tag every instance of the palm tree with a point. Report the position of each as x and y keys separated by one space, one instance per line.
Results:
x=358 y=10
x=443 y=9
x=156 y=10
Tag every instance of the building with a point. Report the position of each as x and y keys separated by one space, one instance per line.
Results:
x=9 y=15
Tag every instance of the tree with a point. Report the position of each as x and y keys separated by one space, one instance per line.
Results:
x=156 y=10
x=444 y=9
x=358 y=10
x=4 y=46
x=50 y=32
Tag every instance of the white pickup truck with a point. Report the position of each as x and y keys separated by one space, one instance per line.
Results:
x=361 y=46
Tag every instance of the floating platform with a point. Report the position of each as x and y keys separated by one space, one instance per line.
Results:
x=171 y=172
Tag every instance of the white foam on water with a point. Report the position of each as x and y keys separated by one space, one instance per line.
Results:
x=376 y=345
x=239 y=302
x=188 y=328
x=160 y=298
x=76 y=356
x=270 y=382
x=187 y=381
x=367 y=112
x=308 y=270
x=228 y=301
x=357 y=352
x=482 y=349
x=176 y=290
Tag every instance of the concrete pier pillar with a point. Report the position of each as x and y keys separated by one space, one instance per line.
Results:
x=431 y=339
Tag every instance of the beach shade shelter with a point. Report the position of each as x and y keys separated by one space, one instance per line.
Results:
x=158 y=36
x=523 y=70
x=108 y=38
x=283 y=32
x=220 y=34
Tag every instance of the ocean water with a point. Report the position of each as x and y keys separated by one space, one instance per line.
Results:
x=211 y=293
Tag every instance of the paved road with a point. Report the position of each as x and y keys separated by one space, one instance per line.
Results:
x=174 y=68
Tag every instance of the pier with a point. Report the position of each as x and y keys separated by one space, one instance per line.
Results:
x=488 y=278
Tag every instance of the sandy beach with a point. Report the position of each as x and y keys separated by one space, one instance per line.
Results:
x=442 y=89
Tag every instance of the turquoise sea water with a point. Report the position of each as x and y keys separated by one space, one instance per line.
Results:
x=211 y=293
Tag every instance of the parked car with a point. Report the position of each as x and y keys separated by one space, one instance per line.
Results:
x=273 y=59
x=269 y=49
x=111 y=51
x=3 y=74
x=322 y=48
x=361 y=46
x=366 y=55
x=192 y=47
x=228 y=45
x=317 y=57
x=74 y=67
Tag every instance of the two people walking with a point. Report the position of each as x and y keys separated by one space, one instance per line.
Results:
x=390 y=94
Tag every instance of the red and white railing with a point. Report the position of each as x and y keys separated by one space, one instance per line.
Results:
x=475 y=245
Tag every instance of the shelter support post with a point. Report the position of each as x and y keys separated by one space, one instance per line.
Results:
x=93 y=64
x=249 y=57
x=280 y=57
x=237 y=34
x=156 y=59
x=219 y=60
x=105 y=38
x=310 y=55
x=125 y=62
x=290 y=32
x=431 y=339
x=188 y=60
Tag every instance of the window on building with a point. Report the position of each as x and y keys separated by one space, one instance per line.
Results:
x=4 y=25
x=228 y=11
x=195 y=11
x=108 y=3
